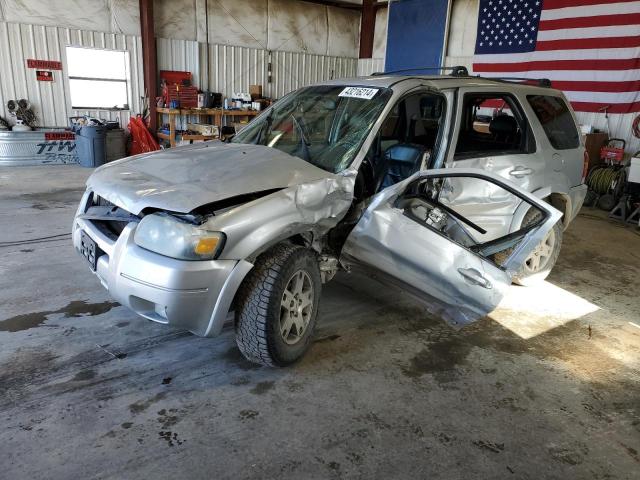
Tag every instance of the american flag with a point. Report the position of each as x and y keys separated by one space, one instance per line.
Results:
x=590 y=49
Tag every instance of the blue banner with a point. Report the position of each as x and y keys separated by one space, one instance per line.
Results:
x=416 y=34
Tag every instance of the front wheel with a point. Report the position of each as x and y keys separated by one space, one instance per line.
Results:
x=277 y=306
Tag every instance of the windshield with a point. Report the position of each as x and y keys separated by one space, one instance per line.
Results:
x=323 y=125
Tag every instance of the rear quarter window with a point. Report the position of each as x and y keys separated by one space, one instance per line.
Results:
x=556 y=120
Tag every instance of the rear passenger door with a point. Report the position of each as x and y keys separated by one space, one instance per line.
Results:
x=492 y=133
x=560 y=136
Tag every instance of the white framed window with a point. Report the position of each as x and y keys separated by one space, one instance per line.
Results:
x=98 y=78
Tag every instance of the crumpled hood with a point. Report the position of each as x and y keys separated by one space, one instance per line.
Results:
x=184 y=178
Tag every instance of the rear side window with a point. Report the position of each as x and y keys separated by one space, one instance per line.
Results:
x=491 y=124
x=556 y=120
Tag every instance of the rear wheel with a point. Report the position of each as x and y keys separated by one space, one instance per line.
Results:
x=542 y=260
x=277 y=306
x=538 y=266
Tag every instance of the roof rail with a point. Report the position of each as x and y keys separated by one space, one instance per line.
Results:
x=461 y=71
x=457 y=71
x=540 y=82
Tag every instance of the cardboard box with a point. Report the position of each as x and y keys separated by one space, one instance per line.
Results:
x=255 y=91
x=592 y=143
x=203 y=129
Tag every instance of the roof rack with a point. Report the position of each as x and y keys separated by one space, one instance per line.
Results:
x=457 y=71
x=461 y=71
x=540 y=82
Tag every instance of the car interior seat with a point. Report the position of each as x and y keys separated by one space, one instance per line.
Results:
x=504 y=129
x=402 y=161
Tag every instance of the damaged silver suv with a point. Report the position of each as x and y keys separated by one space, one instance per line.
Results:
x=448 y=186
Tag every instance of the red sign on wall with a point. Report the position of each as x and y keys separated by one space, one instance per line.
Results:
x=48 y=64
x=44 y=75
x=59 y=136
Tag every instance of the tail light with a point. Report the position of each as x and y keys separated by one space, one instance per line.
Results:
x=585 y=166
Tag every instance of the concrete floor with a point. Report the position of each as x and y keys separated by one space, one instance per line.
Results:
x=545 y=387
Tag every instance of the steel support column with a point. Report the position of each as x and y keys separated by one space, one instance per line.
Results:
x=367 y=27
x=149 y=60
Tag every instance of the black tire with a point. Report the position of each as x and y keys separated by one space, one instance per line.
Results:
x=526 y=276
x=590 y=199
x=607 y=202
x=258 y=305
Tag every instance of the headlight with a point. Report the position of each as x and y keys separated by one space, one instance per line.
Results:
x=169 y=236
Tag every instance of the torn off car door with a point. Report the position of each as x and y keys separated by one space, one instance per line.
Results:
x=411 y=237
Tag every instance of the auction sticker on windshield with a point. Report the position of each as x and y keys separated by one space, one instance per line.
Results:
x=359 y=92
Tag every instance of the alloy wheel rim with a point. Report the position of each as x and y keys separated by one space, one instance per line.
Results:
x=541 y=255
x=296 y=307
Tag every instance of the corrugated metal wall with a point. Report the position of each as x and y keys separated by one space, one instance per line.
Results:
x=367 y=66
x=233 y=69
x=223 y=68
x=179 y=55
x=51 y=100
x=618 y=126
x=294 y=70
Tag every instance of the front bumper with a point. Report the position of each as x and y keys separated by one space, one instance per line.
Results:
x=193 y=295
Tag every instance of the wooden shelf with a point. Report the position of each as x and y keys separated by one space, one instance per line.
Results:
x=172 y=111
x=240 y=113
x=189 y=136
x=207 y=111
x=218 y=115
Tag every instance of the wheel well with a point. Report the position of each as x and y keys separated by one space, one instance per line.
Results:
x=300 y=239
x=562 y=203
x=559 y=201
x=303 y=239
